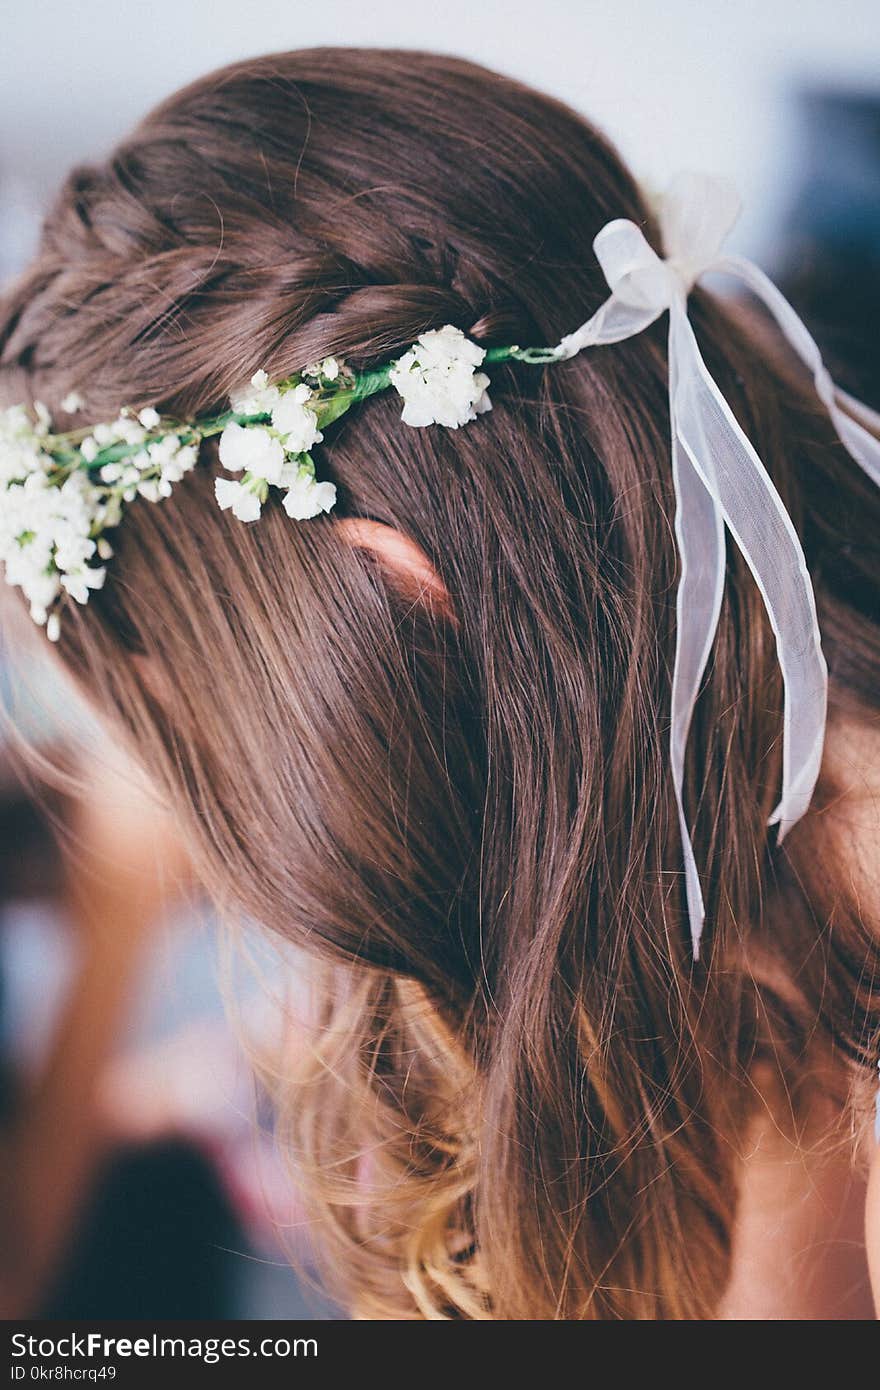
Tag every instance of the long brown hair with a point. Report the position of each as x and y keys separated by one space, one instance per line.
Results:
x=522 y=1095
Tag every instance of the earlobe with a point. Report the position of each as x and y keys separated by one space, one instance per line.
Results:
x=151 y=678
x=405 y=562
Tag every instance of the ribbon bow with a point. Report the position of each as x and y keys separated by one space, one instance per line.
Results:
x=719 y=481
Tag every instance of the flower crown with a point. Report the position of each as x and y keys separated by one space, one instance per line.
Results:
x=60 y=493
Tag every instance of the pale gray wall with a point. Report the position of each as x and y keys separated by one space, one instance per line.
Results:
x=677 y=83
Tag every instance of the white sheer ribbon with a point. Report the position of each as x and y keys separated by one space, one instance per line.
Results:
x=720 y=481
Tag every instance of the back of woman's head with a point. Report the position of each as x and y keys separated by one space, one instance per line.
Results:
x=522 y=1096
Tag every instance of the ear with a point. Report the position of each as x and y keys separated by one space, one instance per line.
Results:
x=151 y=678
x=405 y=563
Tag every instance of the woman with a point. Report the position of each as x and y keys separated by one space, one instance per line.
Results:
x=425 y=734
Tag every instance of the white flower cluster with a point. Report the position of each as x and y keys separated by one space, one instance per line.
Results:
x=58 y=498
x=46 y=521
x=438 y=379
x=153 y=469
x=275 y=454
x=59 y=493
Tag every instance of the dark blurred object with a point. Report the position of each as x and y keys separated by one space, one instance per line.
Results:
x=30 y=863
x=157 y=1240
x=832 y=234
x=30 y=866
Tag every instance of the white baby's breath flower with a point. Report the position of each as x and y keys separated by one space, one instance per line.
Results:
x=306 y=498
x=53 y=622
x=41 y=590
x=128 y=431
x=186 y=457
x=161 y=451
x=80 y=583
x=90 y=448
x=178 y=463
x=152 y=491
x=257 y=398
x=21 y=448
x=73 y=403
x=438 y=379
x=296 y=421
x=329 y=369
x=47 y=537
x=149 y=417
x=15 y=421
x=252 y=449
x=244 y=503
x=172 y=458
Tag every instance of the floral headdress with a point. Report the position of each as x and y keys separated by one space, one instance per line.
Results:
x=61 y=493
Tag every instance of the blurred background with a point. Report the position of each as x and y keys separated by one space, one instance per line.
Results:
x=133 y=1136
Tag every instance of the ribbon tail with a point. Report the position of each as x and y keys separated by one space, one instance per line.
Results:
x=699 y=531
x=859 y=428
x=754 y=513
x=857 y=425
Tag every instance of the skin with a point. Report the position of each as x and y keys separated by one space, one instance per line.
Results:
x=799 y=1242
x=400 y=557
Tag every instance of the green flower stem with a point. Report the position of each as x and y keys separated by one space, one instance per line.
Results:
x=364 y=384
x=255 y=484
x=368 y=383
x=328 y=408
x=537 y=356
